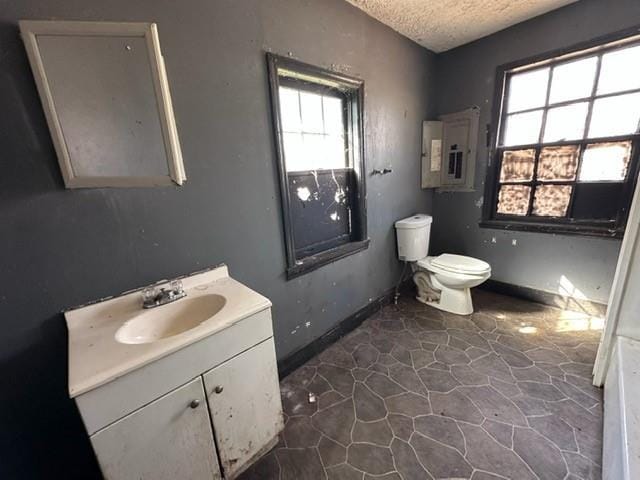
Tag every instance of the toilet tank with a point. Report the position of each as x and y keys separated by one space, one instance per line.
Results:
x=412 y=234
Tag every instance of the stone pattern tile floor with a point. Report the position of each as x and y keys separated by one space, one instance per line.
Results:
x=415 y=393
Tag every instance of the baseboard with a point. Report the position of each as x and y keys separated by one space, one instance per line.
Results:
x=306 y=353
x=546 y=298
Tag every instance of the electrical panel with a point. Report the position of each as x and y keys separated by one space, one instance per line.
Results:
x=449 y=151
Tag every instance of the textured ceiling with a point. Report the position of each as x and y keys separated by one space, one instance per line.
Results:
x=441 y=25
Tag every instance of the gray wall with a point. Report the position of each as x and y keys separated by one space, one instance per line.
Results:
x=466 y=77
x=60 y=248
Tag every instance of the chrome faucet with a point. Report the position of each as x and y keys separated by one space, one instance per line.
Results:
x=155 y=297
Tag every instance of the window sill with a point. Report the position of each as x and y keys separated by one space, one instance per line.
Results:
x=562 y=229
x=314 y=262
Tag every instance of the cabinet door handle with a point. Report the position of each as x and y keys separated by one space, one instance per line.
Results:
x=218 y=389
x=194 y=403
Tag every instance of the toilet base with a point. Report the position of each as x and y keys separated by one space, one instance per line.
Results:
x=447 y=291
x=433 y=293
x=454 y=301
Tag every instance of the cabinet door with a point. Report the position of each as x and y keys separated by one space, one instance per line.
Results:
x=168 y=439
x=244 y=400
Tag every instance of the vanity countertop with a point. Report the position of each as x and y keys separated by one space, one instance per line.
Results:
x=96 y=357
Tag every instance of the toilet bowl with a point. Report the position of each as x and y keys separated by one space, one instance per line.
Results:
x=443 y=281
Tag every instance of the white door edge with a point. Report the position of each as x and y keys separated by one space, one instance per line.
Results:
x=618 y=291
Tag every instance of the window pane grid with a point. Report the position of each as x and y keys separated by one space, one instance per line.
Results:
x=576 y=100
x=587 y=122
x=314 y=130
x=543 y=125
x=588 y=133
x=517 y=123
x=538 y=181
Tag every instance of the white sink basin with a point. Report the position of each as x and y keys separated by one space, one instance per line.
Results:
x=169 y=320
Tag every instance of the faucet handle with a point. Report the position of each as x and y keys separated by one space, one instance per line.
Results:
x=176 y=286
x=149 y=294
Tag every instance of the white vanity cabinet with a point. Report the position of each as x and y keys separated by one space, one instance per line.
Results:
x=169 y=438
x=241 y=395
x=200 y=405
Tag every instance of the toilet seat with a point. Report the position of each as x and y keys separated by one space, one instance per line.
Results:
x=455 y=264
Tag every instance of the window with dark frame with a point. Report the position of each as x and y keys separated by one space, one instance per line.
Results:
x=566 y=148
x=317 y=117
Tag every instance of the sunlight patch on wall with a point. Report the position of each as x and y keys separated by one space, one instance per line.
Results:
x=567 y=289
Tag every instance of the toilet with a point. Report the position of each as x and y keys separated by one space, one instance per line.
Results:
x=444 y=281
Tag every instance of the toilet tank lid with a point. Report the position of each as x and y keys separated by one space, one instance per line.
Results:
x=418 y=220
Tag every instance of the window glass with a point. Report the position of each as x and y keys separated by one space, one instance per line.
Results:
x=517 y=165
x=314 y=151
x=558 y=163
x=573 y=80
x=565 y=123
x=617 y=115
x=311 y=110
x=605 y=162
x=619 y=71
x=523 y=128
x=566 y=139
x=528 y=90
x=294 y=153
x=513 y=199
x=335 y=151
x=333 y=115
x=290 y=110
x=551 y=200
x=318 y=127
x=313 y=130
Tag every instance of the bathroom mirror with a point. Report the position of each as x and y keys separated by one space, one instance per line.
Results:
x=105 y=95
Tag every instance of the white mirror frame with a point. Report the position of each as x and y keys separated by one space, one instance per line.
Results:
x=30 y=29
